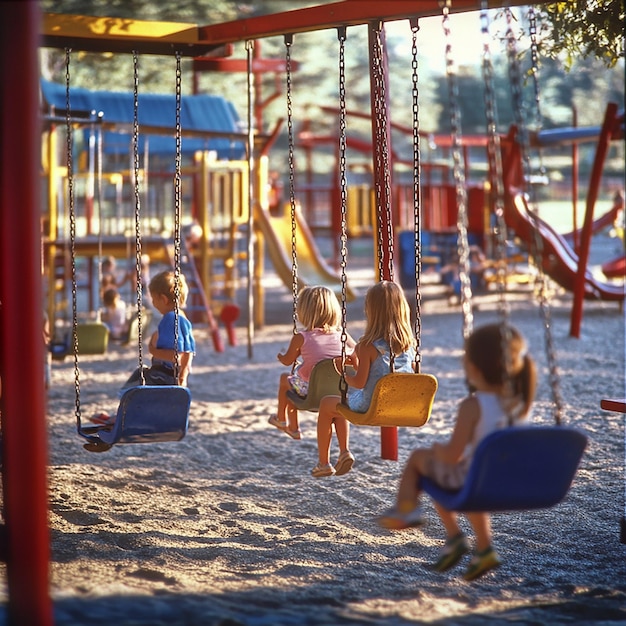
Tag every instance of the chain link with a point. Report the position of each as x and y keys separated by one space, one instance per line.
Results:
x=343 y=186
x=383 y=187
x=459 y=178
x=537 y=244
x=417 y=194
x=137 y=196
x=292 y=192
x=177 y=213
x=72 y=219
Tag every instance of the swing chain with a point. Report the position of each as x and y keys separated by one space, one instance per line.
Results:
x=459 y=177
x=72 y=219
x=341 y=35
x=382 y=155
x=494 y=157
x=177 y=213
x=137 y=195
x=417 y=192
x=99 y=196
x=496 y=190
x=292 y=193
x=537 y=244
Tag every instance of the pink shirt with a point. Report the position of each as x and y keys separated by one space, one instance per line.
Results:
x=318 y=345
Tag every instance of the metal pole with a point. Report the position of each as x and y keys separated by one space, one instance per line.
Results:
x=22 y=354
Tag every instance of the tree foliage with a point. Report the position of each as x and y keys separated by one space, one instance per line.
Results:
x=587 y=28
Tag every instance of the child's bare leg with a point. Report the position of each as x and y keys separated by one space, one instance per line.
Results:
x=408 y=491
x=325 y=418
x=283 y=387
x=292 y=417
x=481 y=523
x=449 y=520
x=342 y=428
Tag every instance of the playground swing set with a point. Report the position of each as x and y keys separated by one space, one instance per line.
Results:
x=29 y=600
x=518 y=467
x=146 y=413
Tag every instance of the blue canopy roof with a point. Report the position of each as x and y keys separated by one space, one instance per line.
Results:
x=198 y=112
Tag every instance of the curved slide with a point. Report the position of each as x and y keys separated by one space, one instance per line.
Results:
x=560 y=262
x=312 y=269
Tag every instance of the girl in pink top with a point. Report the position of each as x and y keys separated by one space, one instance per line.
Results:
x=318 y=311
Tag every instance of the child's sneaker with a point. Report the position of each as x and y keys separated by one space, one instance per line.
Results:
x=452 y=552
x=393 y=519
x=481 y=563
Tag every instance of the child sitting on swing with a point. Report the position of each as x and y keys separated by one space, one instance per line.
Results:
x=387 y=344
x=318 y=311
x=161 y=345
x=495 y=395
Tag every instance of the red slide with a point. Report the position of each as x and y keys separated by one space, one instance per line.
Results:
x=559 y=262
x=616 y=268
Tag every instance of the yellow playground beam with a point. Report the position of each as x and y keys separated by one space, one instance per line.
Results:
x=116 y=34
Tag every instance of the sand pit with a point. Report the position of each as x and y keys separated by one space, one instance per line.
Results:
x=228 y=526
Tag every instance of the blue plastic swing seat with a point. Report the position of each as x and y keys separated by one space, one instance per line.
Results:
x=515 y=469
x=150 y=414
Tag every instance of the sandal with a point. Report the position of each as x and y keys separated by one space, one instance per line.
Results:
x=102 y=418
x=452 y=552
x=274 y=421
x=319 y=471
x=393 y=519
x=481 y=563
x=344 y=463
x=294 y=434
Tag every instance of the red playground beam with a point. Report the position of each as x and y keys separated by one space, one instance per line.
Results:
x=346 y=13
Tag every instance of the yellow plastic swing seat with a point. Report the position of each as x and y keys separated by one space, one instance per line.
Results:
x=399 y=399
x=93 y=338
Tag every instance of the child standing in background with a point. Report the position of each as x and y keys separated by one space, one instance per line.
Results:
x=387 y=344
x=114 y=313
x=496 y=396
x=318 y=310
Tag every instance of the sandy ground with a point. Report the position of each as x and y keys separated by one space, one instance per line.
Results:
x=228 y=527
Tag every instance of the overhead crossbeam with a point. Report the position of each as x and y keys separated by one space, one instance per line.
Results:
x=346 y=13
x=116 y=34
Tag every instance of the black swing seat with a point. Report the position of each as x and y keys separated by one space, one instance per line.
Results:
x=146 y=414
x=515 y=469
x=324 y=381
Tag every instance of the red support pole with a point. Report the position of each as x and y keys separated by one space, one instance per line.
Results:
x=585 y=236
x=22 y=353
x=388 y=434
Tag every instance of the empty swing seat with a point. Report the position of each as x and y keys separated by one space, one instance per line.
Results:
x=149 y=414
x=93 y=338
x=514 y=469
x=399 y=399
x=324 y=381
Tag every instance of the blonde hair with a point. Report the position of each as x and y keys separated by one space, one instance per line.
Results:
x=318 y=307
x=164 y=284
x=388 y=317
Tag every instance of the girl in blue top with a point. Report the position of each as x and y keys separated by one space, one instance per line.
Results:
x=387 y=345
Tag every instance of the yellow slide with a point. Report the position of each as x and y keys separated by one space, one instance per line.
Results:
x=312 y=269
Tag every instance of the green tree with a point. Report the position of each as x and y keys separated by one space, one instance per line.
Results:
x=588 y=28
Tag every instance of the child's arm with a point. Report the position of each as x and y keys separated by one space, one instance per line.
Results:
x=293 y=351
x=361 y=359
x=185 y=367
x=466 y=420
